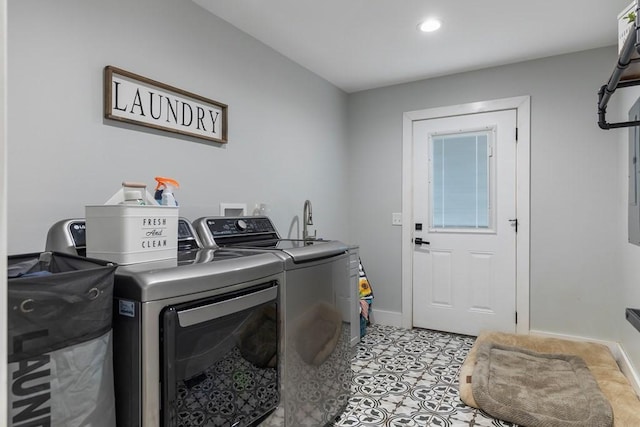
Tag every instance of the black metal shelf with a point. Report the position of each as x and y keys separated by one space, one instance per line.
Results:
x=626 y=74
x=633 y=316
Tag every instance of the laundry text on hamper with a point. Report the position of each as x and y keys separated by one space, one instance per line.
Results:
x=30 y=383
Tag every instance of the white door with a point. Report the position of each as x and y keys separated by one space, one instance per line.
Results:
x=464 y=201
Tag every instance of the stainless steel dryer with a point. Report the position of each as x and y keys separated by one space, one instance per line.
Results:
x=195 y=339
x=316 y=360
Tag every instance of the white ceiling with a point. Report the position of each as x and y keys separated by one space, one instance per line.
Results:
x=364 y=44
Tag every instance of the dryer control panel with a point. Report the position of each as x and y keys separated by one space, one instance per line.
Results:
x=221 y=231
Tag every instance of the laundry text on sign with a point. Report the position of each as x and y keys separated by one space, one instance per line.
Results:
x=139 y=100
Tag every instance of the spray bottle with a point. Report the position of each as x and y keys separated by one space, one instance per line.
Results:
x=164 y=191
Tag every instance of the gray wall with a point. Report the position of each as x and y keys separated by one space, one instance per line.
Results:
x=287 y=127
x=3 y=208
x=575 y=269
x=288 y=142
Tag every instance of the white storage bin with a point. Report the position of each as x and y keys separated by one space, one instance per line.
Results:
x=128 y=234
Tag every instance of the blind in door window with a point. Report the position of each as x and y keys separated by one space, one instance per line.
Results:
x=460 y=181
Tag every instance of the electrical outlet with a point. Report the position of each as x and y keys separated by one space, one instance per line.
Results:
x=396 y=218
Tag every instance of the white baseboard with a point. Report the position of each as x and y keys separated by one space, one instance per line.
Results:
x=620 y=356
x=624 y=362
x=387 y=318
x=612 y=345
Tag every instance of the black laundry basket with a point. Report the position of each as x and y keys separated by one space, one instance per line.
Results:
x=60 y=370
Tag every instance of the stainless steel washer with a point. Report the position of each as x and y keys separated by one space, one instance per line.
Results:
x=195 y=339
x=316 y=359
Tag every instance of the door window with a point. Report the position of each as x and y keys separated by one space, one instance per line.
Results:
x=460 y=181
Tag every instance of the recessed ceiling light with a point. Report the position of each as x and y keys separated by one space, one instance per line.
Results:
x=430 y=25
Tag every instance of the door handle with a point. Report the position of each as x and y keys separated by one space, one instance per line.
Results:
x=419 y=241
x=204 y=313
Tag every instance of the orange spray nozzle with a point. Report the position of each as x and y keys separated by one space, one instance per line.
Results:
x=166 y=182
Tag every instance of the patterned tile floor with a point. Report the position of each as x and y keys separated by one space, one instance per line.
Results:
x=409 y=378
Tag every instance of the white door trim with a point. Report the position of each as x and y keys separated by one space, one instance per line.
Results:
x=522 y=105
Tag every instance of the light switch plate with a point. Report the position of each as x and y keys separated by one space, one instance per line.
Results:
x=396 y=218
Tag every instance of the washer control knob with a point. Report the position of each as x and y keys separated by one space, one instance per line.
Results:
x=241 y=225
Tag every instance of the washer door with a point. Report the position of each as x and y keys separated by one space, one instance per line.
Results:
x=219 y=359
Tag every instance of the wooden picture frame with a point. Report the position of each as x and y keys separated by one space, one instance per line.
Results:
x=138 y=100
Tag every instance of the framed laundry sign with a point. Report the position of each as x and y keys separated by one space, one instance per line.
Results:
x=131 y=98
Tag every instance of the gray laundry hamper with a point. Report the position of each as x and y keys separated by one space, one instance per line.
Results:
x=60 y=370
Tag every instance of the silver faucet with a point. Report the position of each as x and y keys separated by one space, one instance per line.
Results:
x=308 y=220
